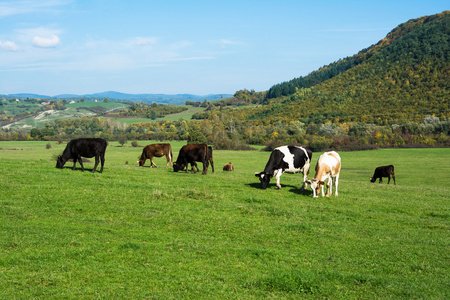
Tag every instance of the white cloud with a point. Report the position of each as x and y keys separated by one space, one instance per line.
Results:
x=10 y=46
x=46 y=42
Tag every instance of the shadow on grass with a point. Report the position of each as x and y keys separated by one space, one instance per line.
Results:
x=290 y=188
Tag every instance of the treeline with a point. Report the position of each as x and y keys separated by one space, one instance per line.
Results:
x=152 y=111
x=238 y=134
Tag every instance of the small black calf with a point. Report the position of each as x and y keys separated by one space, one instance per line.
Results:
x=383 y=171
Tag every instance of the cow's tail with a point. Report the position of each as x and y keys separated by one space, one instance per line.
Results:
x=170 y=154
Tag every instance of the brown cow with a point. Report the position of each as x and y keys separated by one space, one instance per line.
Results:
x=228 y=167
x=156 y=150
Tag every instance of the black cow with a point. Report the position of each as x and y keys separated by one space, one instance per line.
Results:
x=86 y=147
x=290 y=159
x=383 y=171
x=191 y=153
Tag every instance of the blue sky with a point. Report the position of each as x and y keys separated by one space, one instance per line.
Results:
x=56 y=47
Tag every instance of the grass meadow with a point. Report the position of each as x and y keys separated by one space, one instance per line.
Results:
x=132 y=232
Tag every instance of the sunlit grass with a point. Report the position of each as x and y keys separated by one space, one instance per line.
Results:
x=135 y=232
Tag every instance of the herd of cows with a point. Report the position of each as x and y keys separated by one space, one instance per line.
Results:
x=290 y=159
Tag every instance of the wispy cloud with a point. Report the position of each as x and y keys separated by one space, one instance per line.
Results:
x=224 y=43
x=11 y=8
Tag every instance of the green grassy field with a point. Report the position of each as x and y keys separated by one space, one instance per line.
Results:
x=150 y=233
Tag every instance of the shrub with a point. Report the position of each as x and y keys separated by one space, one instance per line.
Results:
x=320 y=143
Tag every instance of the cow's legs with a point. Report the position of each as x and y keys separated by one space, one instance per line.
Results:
x=205 y=168
x=305 y=177
x=96 y=163
x=336 y=182
x=194 y=164
x=393 y=177
x=102 y=159
x=152 y=163
x=329 y=186
x=381 y=180
x=212 y=164
x=279 y=173
x=80 y=160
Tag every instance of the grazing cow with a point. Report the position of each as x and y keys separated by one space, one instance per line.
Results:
x=383 y=171
x=86 y=147
x=228 y=167
x=156 y=150
x=328 y=167
x=191 y=153
x=290 y=159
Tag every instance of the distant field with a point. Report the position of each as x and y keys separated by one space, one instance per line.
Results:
x=74 y=110
x=186 y=115
x=151 y=233
x=13 y=108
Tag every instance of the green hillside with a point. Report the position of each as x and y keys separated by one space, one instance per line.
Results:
x=404 y=76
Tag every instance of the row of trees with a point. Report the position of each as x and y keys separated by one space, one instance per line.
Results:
x=235 y=134
x=152 y=111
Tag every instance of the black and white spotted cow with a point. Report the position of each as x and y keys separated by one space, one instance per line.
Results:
x=290 y=159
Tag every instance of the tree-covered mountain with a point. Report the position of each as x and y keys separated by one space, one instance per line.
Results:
x=404 y=76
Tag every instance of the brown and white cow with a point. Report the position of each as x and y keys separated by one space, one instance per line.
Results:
x=191 y=153
x=156 y=150
x=228 y=167
x=328 y=167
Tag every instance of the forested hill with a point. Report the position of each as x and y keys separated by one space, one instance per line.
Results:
x=403 y=76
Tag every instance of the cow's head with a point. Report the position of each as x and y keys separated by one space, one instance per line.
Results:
x=178 y=167
x=372 y=179
x=140 y=162
x=315 y=186
x=60 y=162
x=264 y=178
